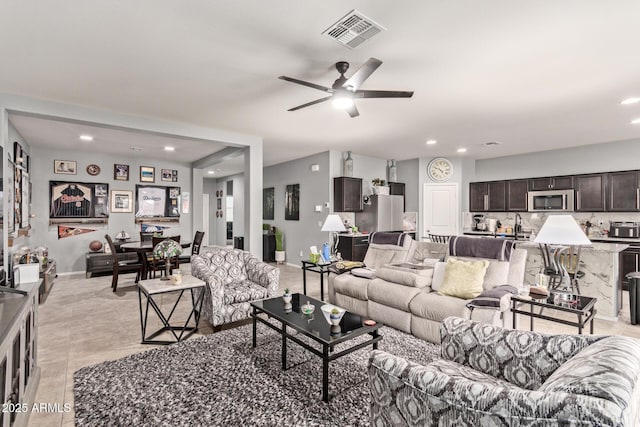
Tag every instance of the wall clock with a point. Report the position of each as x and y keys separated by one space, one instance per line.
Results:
x=440 y=169
x=93 y=170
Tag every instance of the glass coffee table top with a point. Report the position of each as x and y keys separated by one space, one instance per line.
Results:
x=315 y=325
x=561 y=301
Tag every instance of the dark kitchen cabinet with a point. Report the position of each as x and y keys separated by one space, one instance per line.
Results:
x=353 y=248
x=397 y=189
x=624 y=191
x=487 y=196
x=551 y=183
x=517 y=195
x=590 y=192
x=347 y=194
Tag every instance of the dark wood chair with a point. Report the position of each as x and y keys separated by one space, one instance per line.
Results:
x=147 y=236
x=120 y=266
x=437 y=238
x=159 y=264
x=195 y=247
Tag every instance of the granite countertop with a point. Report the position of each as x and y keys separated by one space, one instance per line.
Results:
x=597 y=246
x=629 y=240
x=354 y=234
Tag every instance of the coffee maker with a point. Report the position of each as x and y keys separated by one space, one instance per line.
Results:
x=478 y=222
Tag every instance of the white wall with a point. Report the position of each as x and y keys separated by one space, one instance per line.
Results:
x=18 y=241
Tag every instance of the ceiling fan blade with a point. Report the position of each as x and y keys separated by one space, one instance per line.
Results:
x=353 y=111
x=362 y=74
x=308 y=104
x=383 y=94
x=308 y=84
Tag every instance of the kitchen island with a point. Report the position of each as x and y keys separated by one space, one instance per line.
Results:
x=600 y=264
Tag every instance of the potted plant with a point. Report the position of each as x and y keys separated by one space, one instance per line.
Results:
x=286 y=296
x=280 y=254
x=379 y=186
x=265 y=228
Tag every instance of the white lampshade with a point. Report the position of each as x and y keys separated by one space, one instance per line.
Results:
x=562 y=230
x=333 y=223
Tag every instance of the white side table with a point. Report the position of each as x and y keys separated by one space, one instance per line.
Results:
x=153 y=287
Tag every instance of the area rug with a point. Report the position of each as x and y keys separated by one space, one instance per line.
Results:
x=221 y=380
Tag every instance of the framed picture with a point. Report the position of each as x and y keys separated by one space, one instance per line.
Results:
x=268 y=195
x=166 y=175
x=120 y=172
x=147 y=174
x=174 y=175
x=219 y=204
x=157 y=201
x=121 y=201
x=67 y=167
x=78 y=200
x=292 y=202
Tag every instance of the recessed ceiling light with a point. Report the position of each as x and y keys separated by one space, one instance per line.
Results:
x=462 y=150
x=136 y=148
x=633 y=100
x=210 y=172
x=635 y=121
x=86 y=137
x=431 y=142
x=169 y=148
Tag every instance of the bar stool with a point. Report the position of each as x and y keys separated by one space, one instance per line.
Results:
x=561 y=261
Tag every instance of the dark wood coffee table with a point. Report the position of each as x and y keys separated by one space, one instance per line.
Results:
x=316 y=328
x=583 y=307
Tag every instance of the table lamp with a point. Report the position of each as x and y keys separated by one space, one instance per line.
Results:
x=166 y=250
x=333 y=224
x=561 y=231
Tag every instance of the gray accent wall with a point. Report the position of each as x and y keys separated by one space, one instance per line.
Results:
x=70 y=253
x=314 y=191
x=409 y=172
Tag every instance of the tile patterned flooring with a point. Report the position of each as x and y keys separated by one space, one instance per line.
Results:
x=84 y=323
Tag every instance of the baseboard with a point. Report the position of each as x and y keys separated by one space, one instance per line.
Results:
x=72 y=273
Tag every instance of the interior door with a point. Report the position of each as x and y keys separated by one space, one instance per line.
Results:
x=440 y=209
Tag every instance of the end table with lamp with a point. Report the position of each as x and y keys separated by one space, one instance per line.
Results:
x=333 y=224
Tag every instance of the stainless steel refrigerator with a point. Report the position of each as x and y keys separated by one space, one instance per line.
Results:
x=383 y=213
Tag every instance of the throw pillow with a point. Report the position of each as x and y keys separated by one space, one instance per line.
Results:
x=463 y=279
x=438 y=275
x=497 y=272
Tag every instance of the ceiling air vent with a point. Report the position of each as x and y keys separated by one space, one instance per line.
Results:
x=353 y=29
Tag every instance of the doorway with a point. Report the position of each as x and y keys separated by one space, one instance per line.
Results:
x=440 y=209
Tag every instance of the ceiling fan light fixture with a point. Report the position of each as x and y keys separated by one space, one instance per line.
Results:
x=342 y=102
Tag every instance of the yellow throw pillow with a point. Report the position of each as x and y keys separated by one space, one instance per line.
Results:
x=463 y=279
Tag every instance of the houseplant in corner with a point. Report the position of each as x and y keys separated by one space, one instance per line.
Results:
x=280 y=254
x=379 y=186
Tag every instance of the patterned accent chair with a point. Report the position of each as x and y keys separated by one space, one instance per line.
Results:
x=499 y=377
x=234 y=278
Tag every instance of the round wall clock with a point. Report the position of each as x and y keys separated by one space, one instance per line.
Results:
x=440 y=169
x=93 y=170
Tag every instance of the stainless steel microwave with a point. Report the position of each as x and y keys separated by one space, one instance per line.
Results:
x=551 y=201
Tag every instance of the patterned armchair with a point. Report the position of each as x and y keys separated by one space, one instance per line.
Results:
x=499 y=377
x=234 y=278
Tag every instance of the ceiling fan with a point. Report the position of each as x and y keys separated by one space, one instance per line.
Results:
x=344 y=90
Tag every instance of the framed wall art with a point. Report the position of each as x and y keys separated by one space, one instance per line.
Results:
x=147 y=174
x=78 y=200
x=292 y=202
x=268 y=195
x=155 y=201
x=166 y=175
x=120 y=172
x=121 y=201
x=66 y=167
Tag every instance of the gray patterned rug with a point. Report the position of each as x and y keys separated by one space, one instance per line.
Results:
x=220 y=380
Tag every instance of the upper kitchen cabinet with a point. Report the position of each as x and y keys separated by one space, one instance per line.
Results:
x=551 y=183
x=590 y=192
x=487 y=196
x=347 y=194
x=517 y=195
x=624 y=191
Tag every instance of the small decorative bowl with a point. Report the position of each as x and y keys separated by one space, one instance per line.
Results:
x=307 y=309
x=333 y=319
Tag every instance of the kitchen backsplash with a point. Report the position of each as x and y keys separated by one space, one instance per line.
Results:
x=534 y=220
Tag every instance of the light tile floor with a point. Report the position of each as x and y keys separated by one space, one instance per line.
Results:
x=83 y=323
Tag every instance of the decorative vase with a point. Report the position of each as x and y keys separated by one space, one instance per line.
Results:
x=393 y=171
x=167 y=269
x=286 y=298
x=280 y=256
x=348 y=165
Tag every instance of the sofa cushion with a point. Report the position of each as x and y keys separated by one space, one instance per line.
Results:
x=497 y=273
x=365 y=273
x=378 y=255
x=347 y=284
x=608 y=369
x=438 y=275
x=421 y=251
x=392 y=294
x=419 y=278
x=463 y=279
x=430 y=305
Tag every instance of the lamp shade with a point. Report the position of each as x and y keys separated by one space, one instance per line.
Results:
x=562 y=230
x=333 y=223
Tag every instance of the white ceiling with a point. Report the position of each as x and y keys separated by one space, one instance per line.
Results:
x=533 y=75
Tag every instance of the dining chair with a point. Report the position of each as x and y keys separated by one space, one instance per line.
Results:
x=158 y=264
x=195 y=247
x=122 y=266
x=146 y=236
x=438 y=238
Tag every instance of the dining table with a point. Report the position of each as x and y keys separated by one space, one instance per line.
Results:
x=143 y=248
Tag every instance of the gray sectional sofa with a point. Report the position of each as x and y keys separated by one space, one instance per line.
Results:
x=496 y=377
x=403 y=297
